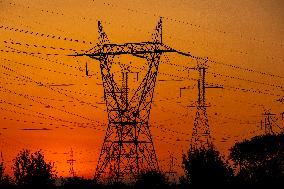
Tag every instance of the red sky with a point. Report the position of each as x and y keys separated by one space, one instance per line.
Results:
x=243 y=40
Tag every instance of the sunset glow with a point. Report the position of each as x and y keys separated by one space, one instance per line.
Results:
x=47 y=102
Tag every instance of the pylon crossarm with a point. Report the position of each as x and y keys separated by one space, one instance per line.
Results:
x=131 y=48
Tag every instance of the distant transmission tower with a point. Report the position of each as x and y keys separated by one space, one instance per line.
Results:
x=71 y=163
x=171 y=172
x=2 y=160
x=268 y=122
x=201 y=134
x=128 y=147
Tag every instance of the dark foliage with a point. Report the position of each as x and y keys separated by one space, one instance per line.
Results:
x=32 y=171
x=5 y=180
x=260 y=160
x=1 y=170
x=118 y=185
x=205 y=167
x=151 y=179
x=79 y=183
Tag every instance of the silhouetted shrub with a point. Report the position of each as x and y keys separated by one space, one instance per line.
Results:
x=118 y=185
x=151 y=179
x=1 y=169
x=79 y=183
x=31 y=170
x=260 y=160
x=6 y=181
x=205 y=167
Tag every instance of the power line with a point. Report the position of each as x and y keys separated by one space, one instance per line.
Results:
x=231 y=66
x=27 y=45
x=49 y=87
x=242 y=52
x=56 y=13
x=38 y=34
x=84 y=93
x=247 y=80
x=46 y=105
x=188 y=23
x=228 y=87
x=44 y=69
x=237 y=88
x=51 y=118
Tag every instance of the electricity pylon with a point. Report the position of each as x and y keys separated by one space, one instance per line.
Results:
x=268 y=122
x=71 y=163
x=172 y=173
x=128 y=148
x=201 y=133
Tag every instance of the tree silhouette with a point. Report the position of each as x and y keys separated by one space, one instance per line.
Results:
x=116 y=185
x=31 y=170
x=1 y=170
x=205 y=167
x=151 y=179
x=79 y=182
x=260 y=160
x=5 y=180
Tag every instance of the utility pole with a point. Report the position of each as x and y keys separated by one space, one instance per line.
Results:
x=128 y=148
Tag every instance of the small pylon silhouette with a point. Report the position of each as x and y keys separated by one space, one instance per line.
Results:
x=71 y=163
x=269 y=122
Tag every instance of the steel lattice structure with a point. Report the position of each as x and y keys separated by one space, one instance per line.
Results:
x=201 y=133
x=268 y=123
x=128 y=147
x=71 y=163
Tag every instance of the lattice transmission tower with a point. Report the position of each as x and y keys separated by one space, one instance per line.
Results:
x=128 y=147
x=268 y=123
x=171 y=172
x=201 y=133
x=71 y=163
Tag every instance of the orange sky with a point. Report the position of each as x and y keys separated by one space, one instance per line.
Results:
x=238 y=36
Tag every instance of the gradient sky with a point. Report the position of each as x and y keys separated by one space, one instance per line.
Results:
x=48 y=103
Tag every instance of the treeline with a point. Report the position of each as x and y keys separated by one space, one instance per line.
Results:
x=257 y=162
